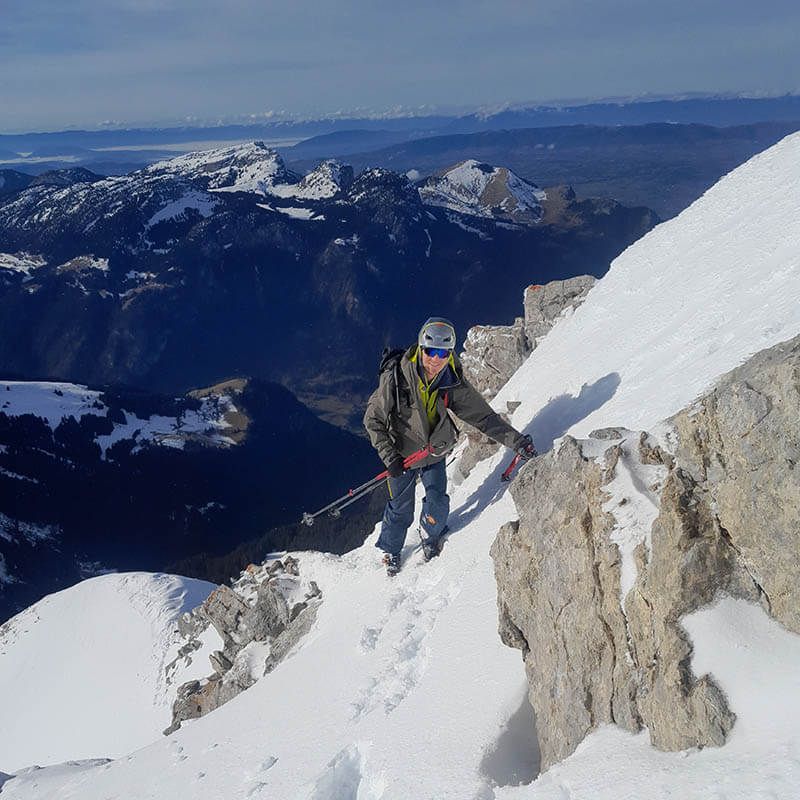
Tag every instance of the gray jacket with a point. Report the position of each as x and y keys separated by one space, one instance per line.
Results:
x=403 y=429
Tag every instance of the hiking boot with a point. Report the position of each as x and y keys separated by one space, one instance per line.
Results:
x=392 y=564
x=431 y=548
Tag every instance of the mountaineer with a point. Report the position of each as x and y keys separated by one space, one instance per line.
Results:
x=411 y=409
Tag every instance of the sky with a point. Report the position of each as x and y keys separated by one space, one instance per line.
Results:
x=87 y=63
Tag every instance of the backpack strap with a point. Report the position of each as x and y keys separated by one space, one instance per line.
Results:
x=390 y=361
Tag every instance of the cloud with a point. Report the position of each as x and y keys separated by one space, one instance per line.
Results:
x=87 y=60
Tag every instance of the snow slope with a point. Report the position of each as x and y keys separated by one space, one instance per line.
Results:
x=403 y=690
x=82 y=671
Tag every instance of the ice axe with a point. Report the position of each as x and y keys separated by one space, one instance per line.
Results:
x=334 y=509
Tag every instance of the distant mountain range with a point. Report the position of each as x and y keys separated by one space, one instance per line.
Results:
x=116 y=151
x=226 y=263
x=663 y=166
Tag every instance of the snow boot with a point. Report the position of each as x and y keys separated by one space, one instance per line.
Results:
x=431 y=548
x=392 y=564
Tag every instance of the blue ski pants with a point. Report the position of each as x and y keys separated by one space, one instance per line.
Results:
x=399 y=512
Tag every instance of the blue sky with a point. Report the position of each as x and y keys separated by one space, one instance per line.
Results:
x=85 y=62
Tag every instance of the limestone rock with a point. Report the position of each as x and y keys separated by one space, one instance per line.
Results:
x=742 y=441
x=545 y=304
x=621 y=535
x=493 y=353
x=260 y=618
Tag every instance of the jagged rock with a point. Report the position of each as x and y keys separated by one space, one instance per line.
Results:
x=612 y=434
x=544 y=304
x=220 y=662
x=313 y=590
x=257 y=628
x=224 y=608
x=560 y=582
x=493 y=353
x=285 y=642
x=592 y=588
x=742 y=441
x=290 y=566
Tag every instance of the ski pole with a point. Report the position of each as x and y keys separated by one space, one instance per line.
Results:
x=354 y=494
x=506 y=476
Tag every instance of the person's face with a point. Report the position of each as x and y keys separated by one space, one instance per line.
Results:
x=433 y=365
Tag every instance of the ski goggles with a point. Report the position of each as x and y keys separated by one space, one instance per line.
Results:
x=436 y=352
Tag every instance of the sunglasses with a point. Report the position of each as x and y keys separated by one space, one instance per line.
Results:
x=436 y=352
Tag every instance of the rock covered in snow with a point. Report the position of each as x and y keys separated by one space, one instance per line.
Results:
x=482 y=190
x=621 y=535
x=259 y=620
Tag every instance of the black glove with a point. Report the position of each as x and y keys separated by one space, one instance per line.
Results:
x=395 y=467
x=525 y=449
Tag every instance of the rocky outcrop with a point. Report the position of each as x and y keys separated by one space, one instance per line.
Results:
x=742 y=443
x=493 y=353
x=545 y=304
x=260 y=619
x=620 y=535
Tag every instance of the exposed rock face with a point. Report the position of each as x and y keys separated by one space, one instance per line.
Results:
x=742 y=442
x=260 y=619
x=545 y=304
x=493 y=353
x=594 y=578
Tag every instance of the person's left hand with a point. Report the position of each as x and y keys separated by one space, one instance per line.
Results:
x=525 y=448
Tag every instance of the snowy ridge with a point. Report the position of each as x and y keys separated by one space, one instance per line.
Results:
x=409 y=673
x=324 y=182
x=118 y=631
x=251 y=167
x=21 y=262
x=54 y=402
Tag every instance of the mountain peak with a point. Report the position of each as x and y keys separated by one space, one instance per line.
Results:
x=247 y=167
x=483 y=190
x=327 y=180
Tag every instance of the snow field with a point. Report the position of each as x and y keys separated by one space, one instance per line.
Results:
x=82 y=671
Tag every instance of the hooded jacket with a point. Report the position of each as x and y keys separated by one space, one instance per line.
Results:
x=402 y=429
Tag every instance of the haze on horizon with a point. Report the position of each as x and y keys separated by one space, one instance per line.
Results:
x=132 y=62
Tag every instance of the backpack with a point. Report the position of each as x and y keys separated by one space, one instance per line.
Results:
x=390 y=362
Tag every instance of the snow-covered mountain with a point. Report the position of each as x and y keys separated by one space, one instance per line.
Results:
x=175 y=276
x=56 y=402
x=163 y=472
x=483 y=190
x=403 y=690
x=251 y=167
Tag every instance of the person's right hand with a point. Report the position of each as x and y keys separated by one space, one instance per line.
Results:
x=395 y=467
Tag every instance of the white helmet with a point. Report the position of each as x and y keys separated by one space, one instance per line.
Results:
x=437 y=332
